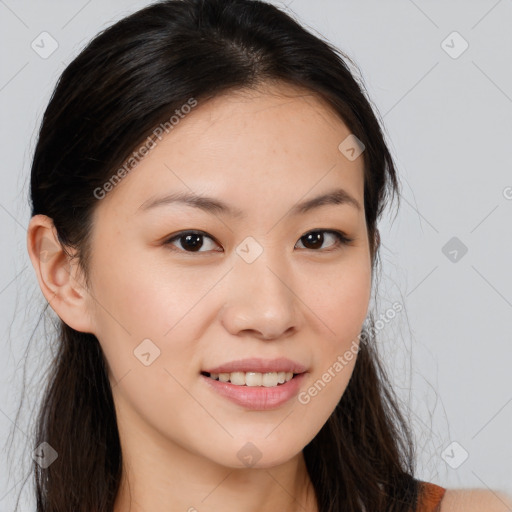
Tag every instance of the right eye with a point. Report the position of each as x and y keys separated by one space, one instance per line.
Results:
x=190 y=241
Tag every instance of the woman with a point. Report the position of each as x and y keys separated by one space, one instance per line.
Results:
x=205 y=194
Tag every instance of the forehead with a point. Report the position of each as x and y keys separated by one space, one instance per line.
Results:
x=245 y=144
x=261 y=108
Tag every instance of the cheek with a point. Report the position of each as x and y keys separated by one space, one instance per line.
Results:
x=140 y=300
x=139 y=293
x=340 y=298
x=348 y=304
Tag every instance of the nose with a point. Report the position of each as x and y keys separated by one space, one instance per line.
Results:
x=260 y=299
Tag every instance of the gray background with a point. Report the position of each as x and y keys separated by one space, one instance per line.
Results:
x=448 y=119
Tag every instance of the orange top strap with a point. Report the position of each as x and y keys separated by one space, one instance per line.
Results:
x=430 y=497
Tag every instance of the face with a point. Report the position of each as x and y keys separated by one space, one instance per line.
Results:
x=258 y=279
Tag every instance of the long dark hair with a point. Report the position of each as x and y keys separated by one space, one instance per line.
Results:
x=130 y=78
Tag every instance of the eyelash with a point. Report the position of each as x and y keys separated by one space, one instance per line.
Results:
x=341 y=240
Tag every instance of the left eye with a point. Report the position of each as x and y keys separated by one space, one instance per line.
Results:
x=191 y=241
x=316 y=238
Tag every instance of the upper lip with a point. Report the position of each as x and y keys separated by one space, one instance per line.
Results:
x=259 y=365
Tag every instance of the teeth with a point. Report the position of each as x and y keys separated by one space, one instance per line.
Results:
x=252 y=379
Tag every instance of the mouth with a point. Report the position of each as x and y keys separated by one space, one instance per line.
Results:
x=253 y=379
x=257 y=384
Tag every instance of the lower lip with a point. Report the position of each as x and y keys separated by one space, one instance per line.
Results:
x=258 y=398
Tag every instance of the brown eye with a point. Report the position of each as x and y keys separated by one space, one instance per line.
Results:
x=315 y=239
x=189 y=241
x=194 y=241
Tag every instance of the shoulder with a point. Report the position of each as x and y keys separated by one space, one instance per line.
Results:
x=475 y=500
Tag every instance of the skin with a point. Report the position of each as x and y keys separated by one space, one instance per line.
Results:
x=475 y=500
x=179 y=438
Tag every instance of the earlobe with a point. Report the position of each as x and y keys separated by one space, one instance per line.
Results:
x=58 y=274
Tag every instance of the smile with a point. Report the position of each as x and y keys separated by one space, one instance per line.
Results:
x=270 y=394
x=252 y=379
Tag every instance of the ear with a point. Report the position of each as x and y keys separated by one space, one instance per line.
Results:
x=58 y=275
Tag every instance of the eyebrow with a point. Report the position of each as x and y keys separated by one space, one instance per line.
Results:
x=211 y=205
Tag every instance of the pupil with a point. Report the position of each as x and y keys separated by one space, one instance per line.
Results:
x=313 y=239
x=193 y=241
